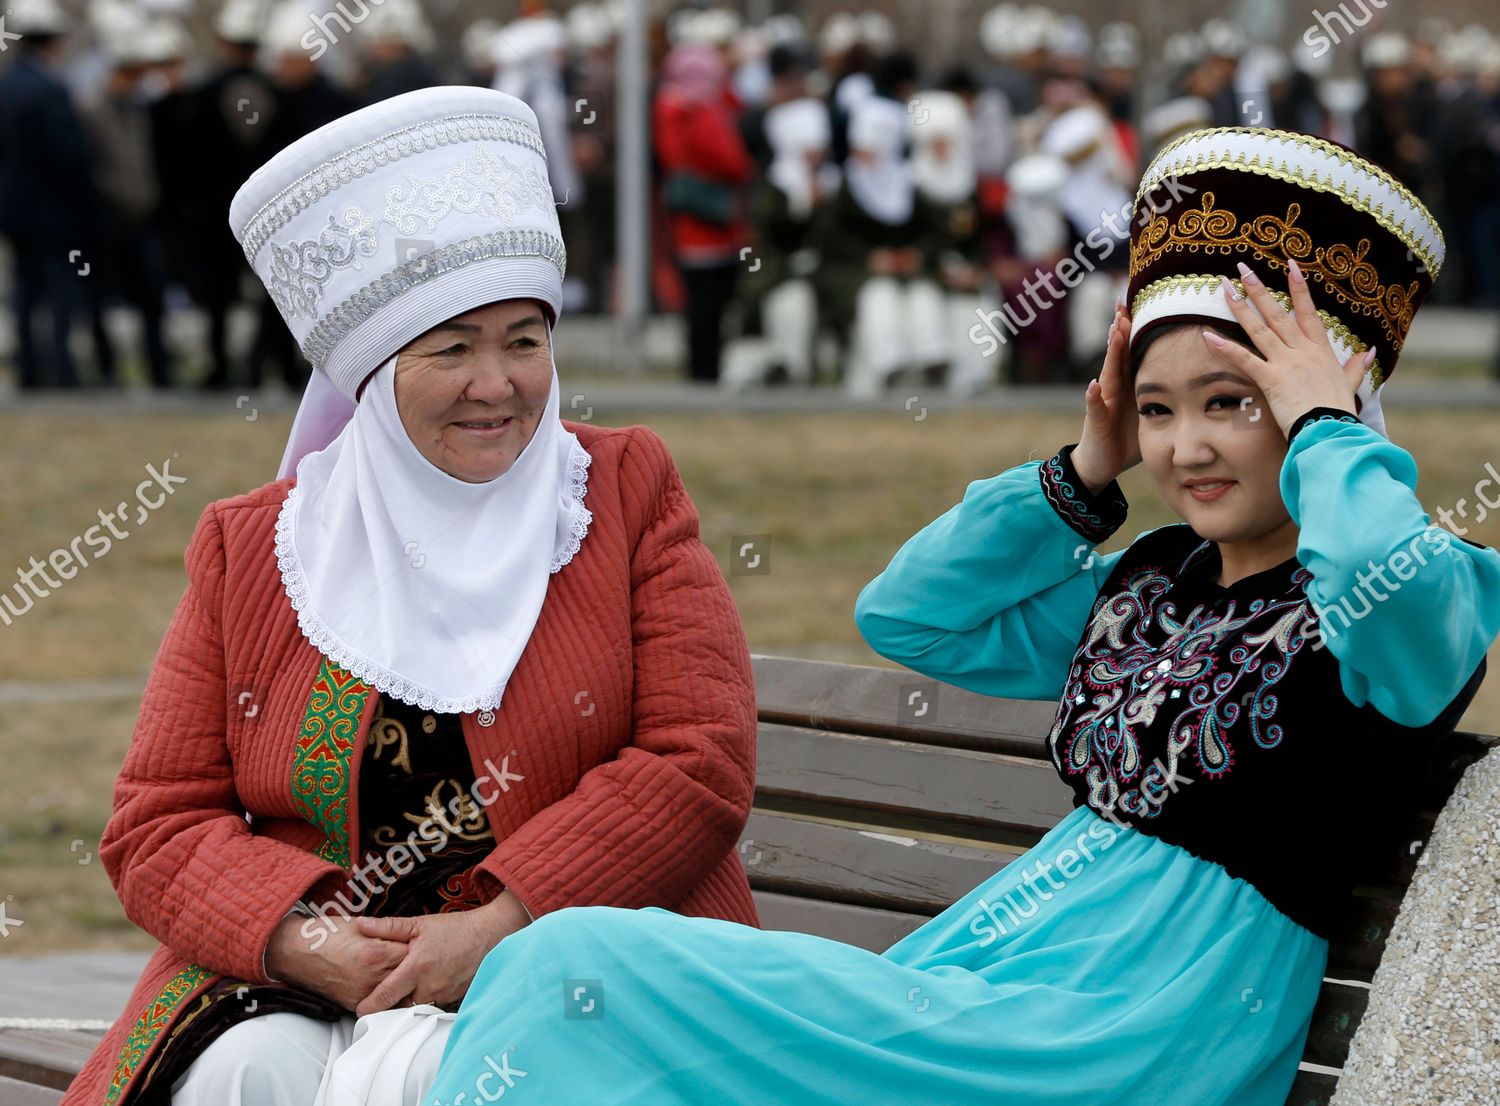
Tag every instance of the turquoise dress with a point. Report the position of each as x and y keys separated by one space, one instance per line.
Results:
x=1106 y=966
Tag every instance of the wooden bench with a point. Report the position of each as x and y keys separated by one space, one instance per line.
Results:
x=861 y=794
x=882 y=797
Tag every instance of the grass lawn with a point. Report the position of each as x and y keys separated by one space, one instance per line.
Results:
x=835 y=493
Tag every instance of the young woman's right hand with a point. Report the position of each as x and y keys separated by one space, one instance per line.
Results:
x=1109 y=444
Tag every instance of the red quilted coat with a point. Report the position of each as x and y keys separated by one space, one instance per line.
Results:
x=631 y=717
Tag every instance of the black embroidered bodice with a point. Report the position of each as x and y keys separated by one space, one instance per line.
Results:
x=1214 y=718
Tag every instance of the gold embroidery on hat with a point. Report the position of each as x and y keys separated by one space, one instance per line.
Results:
x=1340 y=268
x=1199 y=283
x=1429 y=258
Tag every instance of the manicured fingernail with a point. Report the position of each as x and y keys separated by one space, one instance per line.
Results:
x=1213 y=336
x=1295 y=269
x=1369 y=357
x=1247 y=275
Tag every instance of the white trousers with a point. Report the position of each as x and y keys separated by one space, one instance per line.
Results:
x=385 y=1059
x=789 y=317
x=970 y=372
x=897 y=325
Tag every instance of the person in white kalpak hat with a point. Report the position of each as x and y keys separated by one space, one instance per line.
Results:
x=1239 y=717
x=461 y=665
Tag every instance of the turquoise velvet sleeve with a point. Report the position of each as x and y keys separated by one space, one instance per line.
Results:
x=1408 y=609
x=993 y=595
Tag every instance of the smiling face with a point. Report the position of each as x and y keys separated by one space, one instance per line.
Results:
x=1201 y=421
x=472 y=390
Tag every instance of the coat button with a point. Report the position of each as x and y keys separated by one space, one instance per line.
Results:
x=486 y=718
x=429 y=723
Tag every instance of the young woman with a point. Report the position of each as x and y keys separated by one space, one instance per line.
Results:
x=1240 y=696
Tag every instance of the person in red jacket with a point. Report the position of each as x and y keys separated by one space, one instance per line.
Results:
x=705 y=171
x=462 y=665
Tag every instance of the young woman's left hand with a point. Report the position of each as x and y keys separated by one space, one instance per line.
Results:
x=1300 y=370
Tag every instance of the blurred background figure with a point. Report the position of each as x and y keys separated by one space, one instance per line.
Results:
x=145 y=59
x=1097 y=201
x=776 y=296
x=943 y=170
x=209 y=137
x=879 y=243
x=705 y=171
x=49 y=208
x=529 y=56
x=396 y=42
x=146 y=114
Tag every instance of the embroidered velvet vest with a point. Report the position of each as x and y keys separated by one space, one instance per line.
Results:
x=1214 y=718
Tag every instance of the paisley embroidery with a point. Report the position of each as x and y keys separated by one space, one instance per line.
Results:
x=148 y=1027
x=480 y=184
x=320 y=765
x=299 y=270
x=1143 y=665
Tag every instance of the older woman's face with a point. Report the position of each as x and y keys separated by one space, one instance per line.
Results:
x=471 y=391
x=1200 y=419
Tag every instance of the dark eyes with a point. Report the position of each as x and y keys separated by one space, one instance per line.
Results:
x=1231 y=401
x=459 y=348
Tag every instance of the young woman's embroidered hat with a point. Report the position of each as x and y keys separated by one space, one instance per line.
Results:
x=1213 y=198
x=411 y=210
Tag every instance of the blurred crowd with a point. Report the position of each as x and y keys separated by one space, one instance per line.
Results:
x=827 y=204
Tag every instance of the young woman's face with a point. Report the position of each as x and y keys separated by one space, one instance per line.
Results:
x=455 y=383
x=1201 y=420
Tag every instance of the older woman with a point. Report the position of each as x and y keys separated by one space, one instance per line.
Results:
x=1237 y=716
x=464 y=665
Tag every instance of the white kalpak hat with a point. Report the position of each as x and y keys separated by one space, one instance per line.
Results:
x=416 y=209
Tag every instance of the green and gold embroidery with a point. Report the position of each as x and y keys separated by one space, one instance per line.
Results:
x=149 y=1024
x=320 y=768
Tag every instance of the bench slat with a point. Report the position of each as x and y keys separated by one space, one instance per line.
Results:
x=863 y=926
x=864 y=867
x=1311 y=1088
x=1335 y=1018
x=15 y=1092
x=1359 y=941
x=861 y=699
x=46 y=1057
x=888 y=777
x=842 y=864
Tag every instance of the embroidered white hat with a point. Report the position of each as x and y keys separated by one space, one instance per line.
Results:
x=414 y=209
